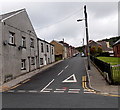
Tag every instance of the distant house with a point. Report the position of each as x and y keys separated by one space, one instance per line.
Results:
x=103 y=44
x=66 y=49
x=71 y=51
x=59 y=50
x=93 y=43
x=46 y=52
x=116 y=48
x=63 y=50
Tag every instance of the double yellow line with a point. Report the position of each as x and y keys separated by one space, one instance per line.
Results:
x=84 y=84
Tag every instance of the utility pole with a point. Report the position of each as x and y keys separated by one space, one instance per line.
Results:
x=87 y=38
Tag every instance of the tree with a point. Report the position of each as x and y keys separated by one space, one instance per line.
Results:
x=93 y=50
x=99 y=50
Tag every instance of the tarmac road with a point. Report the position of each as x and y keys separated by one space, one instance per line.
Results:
x=60 y=86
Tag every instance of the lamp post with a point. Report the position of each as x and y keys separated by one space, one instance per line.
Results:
x=87 y=37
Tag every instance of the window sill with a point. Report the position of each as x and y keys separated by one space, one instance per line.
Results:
x=32 y=64
x=24 y=47
x=11 y=44
x=23 y=69
x=32 y=46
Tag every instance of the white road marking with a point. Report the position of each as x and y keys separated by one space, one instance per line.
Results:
x=66 y=67
x=32 y=91
x=48 y=89
x=60 y=73
x=59 y=91
x=47 y=85
x=21 y=91
x=105 y=93
x=45 y=91
x=67 y=80
x=11 y=91
x=73 y=91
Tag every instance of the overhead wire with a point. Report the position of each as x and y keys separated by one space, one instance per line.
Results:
x=61 y=20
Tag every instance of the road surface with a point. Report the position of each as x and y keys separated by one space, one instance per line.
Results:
x=61 y=86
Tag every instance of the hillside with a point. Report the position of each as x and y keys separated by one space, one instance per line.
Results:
x=111 y=40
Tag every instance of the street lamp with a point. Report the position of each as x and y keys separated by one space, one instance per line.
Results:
x=87 y=37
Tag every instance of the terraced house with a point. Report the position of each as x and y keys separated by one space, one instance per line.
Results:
x=18 y=45
x=46 y=52
x=63 y=50
x=19 y=52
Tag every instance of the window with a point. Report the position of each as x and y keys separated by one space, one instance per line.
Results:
x=11 y=38
x=48 y=60
x=41 y=61
x=32 y=60
x=52 y=50
x=31 y=42
x=42 y=48
x=47 y=48
x=23 y=66
x=23 y=42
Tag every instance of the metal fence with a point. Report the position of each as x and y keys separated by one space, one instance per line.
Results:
x=111 y=73
x=116 y=74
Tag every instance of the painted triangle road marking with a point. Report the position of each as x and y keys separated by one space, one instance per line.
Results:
x=70 y=79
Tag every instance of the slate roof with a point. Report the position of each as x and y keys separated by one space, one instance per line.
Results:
x=117 y=42
x=3 y=16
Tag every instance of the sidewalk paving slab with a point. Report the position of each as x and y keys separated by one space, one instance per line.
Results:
x=97 y=81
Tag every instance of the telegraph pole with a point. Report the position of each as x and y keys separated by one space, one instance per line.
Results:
x=87 y=38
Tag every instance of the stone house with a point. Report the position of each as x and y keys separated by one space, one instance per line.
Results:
x=66 y=49
x=18 y=45
x=59 y=50
x=20 y=50
x=63 y=50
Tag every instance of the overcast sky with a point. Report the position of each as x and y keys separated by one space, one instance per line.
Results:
x=58 y=20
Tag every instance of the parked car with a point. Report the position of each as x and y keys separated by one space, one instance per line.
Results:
x=82 y=54
x=74 y=55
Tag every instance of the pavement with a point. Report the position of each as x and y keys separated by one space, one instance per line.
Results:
x=25 y=77
x=98 y=82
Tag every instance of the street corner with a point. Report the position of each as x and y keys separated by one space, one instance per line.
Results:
x=4 y=88
x=88 y=89
x=86 y=86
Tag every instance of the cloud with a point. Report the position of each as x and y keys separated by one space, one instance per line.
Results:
x=57 y=20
